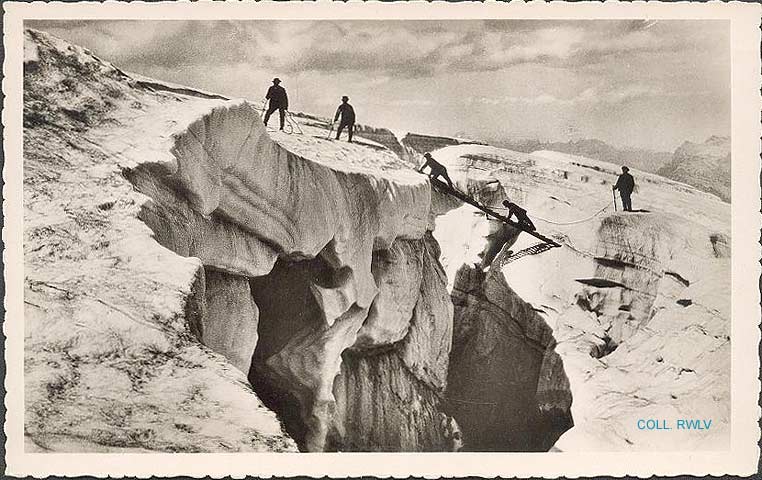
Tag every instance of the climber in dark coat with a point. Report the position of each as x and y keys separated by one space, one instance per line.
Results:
x=347 y=114
x=520 y=214
x=436 y=169
x=278 y=101
x=625 y=184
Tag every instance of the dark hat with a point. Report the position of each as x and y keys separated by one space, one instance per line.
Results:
x=625 y=169
x=276 y=80
x=427 y=155
x=345 y=98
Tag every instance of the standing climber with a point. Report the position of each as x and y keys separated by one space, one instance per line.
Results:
x=278 y=101
x=625 y=184
x=436 y=169
x=520 y=214
x=347 y=114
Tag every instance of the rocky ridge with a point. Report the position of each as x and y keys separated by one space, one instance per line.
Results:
x=706 y=166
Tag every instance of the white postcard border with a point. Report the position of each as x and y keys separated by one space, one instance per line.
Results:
x=741 y=459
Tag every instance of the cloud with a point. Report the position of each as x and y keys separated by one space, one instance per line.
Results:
x=590 y=97
x=171 y=43
x=499 y=76
x=408 y=49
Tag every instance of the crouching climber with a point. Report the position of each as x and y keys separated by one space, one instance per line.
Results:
x=436 y=169
x=520 y=214
x=625 y=184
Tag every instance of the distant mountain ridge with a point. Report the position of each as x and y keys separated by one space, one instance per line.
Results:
x=640 y=159
x=705 y=166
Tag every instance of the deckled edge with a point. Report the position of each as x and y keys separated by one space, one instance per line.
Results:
x=745 y=20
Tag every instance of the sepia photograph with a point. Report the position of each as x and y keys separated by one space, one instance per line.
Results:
x=329 y=235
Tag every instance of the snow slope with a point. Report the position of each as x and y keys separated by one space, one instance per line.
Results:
x=277 y=252
x=639 y=303
x=110 y=364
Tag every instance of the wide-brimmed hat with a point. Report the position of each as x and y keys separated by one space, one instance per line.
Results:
x=276 y=80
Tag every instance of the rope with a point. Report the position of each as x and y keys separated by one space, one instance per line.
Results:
x=290 y=122
x=469 y=402
x=583 y=220
x=290 y=118
x=566 y=243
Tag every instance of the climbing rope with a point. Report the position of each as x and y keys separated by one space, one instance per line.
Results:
x=489 y=185
x=488 y=409
x=290 y=124
x=583 y=220
x=469 y=402
x=288 y=128
x=291 y=120
x=567 y=243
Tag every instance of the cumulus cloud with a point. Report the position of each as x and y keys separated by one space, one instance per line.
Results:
x=410 y=49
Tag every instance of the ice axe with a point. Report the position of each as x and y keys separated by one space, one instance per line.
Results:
x=330 y=132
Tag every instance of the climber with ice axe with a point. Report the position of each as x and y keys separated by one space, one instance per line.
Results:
x=625 y=184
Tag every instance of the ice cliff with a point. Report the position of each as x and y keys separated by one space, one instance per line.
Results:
x=240 y=270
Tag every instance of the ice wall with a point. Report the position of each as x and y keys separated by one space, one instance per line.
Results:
x=336 y=259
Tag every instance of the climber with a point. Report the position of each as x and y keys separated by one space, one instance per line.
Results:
x=436 y=169
x=347 y=114
x=520 y=214
x=278 y=101
x=625 y=184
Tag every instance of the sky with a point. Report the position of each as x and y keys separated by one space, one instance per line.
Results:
x=631 y=83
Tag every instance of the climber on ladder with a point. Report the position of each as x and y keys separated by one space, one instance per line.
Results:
x=436 y=169
x=522 y=221
x=520 y=214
